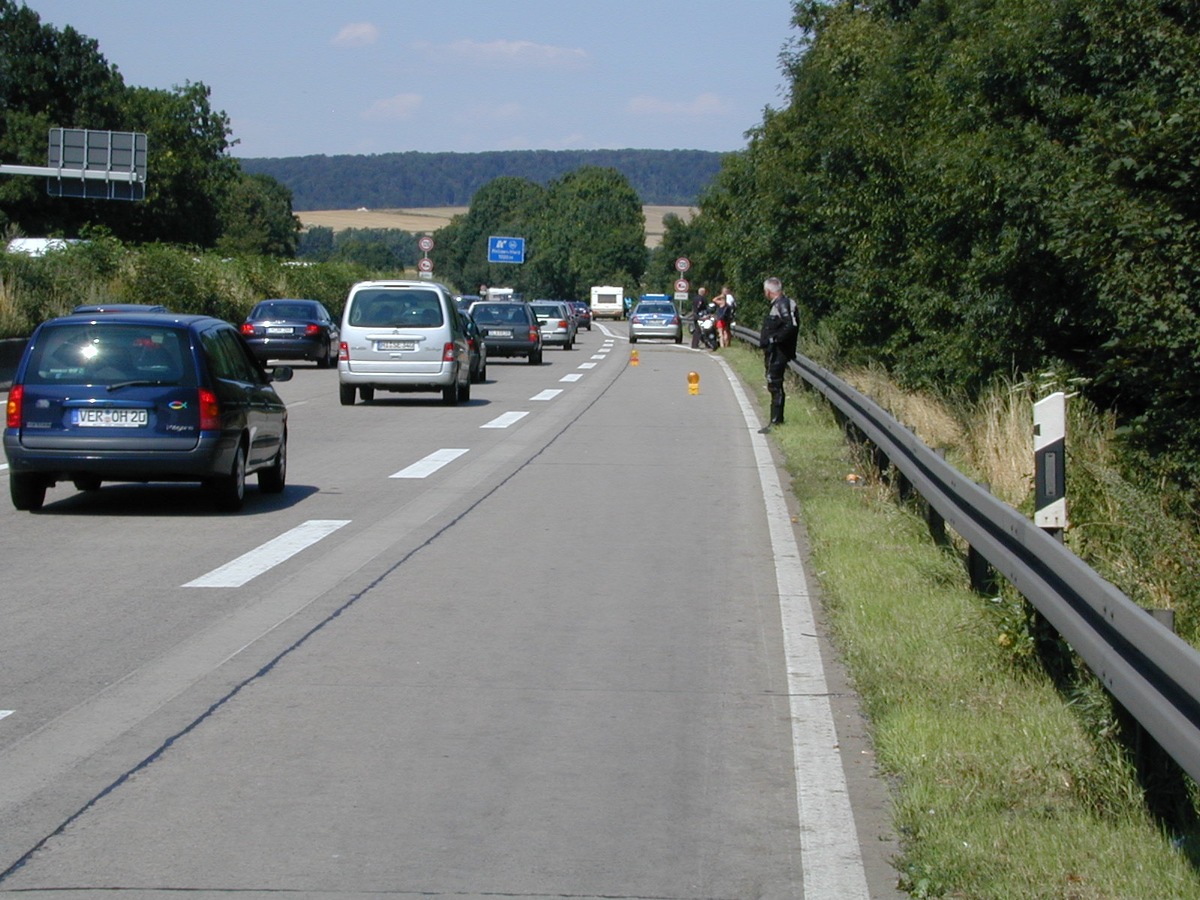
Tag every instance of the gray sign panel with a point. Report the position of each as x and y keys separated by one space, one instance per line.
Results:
x=106 y=165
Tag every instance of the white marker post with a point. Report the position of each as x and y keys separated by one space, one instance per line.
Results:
x=1049 y=463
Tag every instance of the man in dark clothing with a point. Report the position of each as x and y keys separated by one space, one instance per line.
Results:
x=699 y=302
x=777 y=338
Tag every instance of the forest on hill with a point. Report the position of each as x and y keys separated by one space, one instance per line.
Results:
x=412 y=179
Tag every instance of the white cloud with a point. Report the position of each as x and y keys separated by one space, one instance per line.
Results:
x=401 y=106
x=702 y=106
x=509 y=53
x=356 y=34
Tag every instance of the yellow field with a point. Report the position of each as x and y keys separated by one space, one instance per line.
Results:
x=428 y=220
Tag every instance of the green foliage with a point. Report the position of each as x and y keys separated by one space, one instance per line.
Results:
x=966 y=190
x=105 y=271
x=195 y=192
x=256 y=217
x=583 y=229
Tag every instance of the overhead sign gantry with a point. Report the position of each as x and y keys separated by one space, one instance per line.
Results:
x=105 y=165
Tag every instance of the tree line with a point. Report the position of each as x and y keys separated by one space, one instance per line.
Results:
x=196 y=194
x=966 y=190
x=412 y=179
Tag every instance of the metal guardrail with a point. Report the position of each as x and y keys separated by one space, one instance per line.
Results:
x=1152 y=672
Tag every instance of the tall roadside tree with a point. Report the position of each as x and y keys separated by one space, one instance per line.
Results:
x=48 y=79
x=966 y=190
x=58 y=79
x=590 y=231
x=505 y=206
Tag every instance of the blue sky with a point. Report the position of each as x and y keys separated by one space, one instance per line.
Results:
x=382 y=76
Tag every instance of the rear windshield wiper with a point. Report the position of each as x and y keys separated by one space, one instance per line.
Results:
x=145 y=382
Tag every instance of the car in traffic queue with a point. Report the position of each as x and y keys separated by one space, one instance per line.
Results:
x=655 y=319
x=402 y=336
x=556 y=322
x=583 y=314
x=477 y=347
x=143 y=397
x=292 y=330
x=510 y=329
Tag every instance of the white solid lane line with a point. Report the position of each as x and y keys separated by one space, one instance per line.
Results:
x=272 y=553
x=6 y=712
x=830 y=855
x=509 y=418
x=423 y=468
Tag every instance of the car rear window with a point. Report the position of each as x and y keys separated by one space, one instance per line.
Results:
x=391 y=308
x=499 y=314
x=656 y=309
x=284 y=310
x=110 y=353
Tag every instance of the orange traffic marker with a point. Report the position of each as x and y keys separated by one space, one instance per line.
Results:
x=693 y=383
x=633 y=357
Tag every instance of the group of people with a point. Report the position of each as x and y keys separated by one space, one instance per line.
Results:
x=777 y=336
x=722 y=307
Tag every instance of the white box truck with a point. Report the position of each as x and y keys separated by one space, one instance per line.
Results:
x=608 y=301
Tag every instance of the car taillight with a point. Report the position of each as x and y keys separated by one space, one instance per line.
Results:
x=312 y=330
x=210 y=411
x=15 y=396
x=247 y=328
x=449 y=354
x=534 y=333
x=562 y=323
x=344 y=352
x=675 y=320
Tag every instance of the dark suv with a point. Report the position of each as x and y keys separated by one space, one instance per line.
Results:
x=143 y=397
x=510 y=328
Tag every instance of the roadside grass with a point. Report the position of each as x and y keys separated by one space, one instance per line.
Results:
x=999 y=788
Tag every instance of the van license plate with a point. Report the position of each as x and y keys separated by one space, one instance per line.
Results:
x=397 y=345
x=112 y=418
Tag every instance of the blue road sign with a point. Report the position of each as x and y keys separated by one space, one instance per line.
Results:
x=506 y=250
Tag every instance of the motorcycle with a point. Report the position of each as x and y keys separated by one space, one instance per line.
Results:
x=706 y=325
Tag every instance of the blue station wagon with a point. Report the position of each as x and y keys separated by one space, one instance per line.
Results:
x=141 y=397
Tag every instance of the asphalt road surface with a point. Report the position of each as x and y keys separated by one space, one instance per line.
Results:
x=554 y=642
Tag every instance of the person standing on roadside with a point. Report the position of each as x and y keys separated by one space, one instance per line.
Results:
x=731 y=302
x=777 y=339
x=699 y=302
x=724 y=319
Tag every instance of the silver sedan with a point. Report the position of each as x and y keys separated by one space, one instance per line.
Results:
x=655 y=319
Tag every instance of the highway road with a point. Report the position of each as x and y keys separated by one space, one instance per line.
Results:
x=555 y=642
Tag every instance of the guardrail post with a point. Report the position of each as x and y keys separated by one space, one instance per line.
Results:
x=933 y=518
x=979 y=570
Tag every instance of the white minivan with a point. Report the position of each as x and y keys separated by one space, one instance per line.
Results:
x=402 y=336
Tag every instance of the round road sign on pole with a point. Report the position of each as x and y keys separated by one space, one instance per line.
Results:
x=681 y=285
x=425 y=243
x=425 y=264
x=682 y=264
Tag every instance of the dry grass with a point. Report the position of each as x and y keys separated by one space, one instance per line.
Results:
x=428 y=220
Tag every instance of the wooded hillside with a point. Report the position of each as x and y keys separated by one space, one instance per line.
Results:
x=411 y=179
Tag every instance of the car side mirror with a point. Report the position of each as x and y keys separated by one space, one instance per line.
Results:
x=281 y=373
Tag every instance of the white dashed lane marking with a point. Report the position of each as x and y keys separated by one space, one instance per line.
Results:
x=423 y=468
x=272 y=553
x=509 y=418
